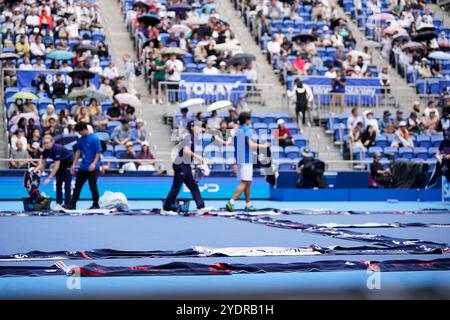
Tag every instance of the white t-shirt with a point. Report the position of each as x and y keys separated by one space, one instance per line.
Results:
x=211 y=71
x=177 y=67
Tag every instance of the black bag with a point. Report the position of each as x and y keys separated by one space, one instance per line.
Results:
x=137 y=69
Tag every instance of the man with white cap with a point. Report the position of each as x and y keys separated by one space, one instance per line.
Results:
x=401 y=137
x=210 y=69
x=283 y=135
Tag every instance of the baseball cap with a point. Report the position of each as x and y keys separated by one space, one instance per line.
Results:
x=402 y=124
x=280 y=121
x=129 y=144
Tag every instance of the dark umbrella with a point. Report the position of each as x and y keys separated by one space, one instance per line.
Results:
x=149 y=19
x=140 y=4
x=401 y=38
x=336 y=23
x=424 y=36
x=155 y=43
x=303 y=37
x=203 y=31
x=180 y=7
x=241 y=58
x=86 y=47
x=82 y=74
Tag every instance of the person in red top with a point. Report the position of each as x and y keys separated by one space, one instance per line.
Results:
x=299 y=64
x=283 y=135
x=45 y=19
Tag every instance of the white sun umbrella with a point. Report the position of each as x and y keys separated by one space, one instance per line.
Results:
x=196 y=21
x=128 y=98
x=356 y=53
x=179 y=28
x=194 y=102
x=220 y=105
x=227 y=46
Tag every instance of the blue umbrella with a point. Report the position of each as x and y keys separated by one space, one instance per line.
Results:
x=439 y=55
x=181 y=7
x=61 y=55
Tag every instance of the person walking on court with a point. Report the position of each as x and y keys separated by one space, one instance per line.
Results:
x=62 y=159
x=89 y=149
x=243 y=146
x=182 y=169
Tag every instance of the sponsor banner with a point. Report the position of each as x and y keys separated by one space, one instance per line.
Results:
x=25 y=77
x=212 y=87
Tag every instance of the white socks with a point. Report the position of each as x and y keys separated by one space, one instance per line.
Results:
x=231 y=201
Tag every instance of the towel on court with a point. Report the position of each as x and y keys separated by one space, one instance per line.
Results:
x=114 y=200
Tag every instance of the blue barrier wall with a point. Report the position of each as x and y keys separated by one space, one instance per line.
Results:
x=11 y=187
x=355 y=194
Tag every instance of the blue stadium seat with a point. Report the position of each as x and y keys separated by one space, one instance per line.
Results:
x=372 y=150
x=109 y=152
x=286 y=167
x=359 y=153
x=423 y=140
x=119 y=149
x=9 y=92
x=98 y=36
x=292 y=152
x=300 y=141
x=293 y=127
x=381 y=141
x=405 y=153
x=260 y=126
x=390 y=150
x=421 y=153
x=436 y=140
x=43 y=103
x=277 y=152
x=60 y=104
x=432 y=152
x=103 y=136
x=112 y=164
x=269 y=118
x=112 y=124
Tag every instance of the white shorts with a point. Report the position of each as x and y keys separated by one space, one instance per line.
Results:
x=245 y=171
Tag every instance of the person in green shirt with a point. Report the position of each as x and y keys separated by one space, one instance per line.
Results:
x=157 y=75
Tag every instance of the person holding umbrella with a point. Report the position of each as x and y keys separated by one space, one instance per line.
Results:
x=63 y=159
x=89 y=150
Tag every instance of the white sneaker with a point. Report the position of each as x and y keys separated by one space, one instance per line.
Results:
x=57 y=207
x=153 y=101
x=168 y=212
x=204 y=210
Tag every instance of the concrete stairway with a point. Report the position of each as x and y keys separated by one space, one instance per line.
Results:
x=404 y=95
x=273 y=90
x=118 y=36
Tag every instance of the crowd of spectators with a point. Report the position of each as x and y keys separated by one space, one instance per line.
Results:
x=193 y=38
x=68 y=38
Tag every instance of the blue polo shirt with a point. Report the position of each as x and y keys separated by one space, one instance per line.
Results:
x=242 y=151
x=89 y=147
x=59 y=153
x=337 y=87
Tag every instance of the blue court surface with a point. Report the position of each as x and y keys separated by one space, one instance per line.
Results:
x=19 y=234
